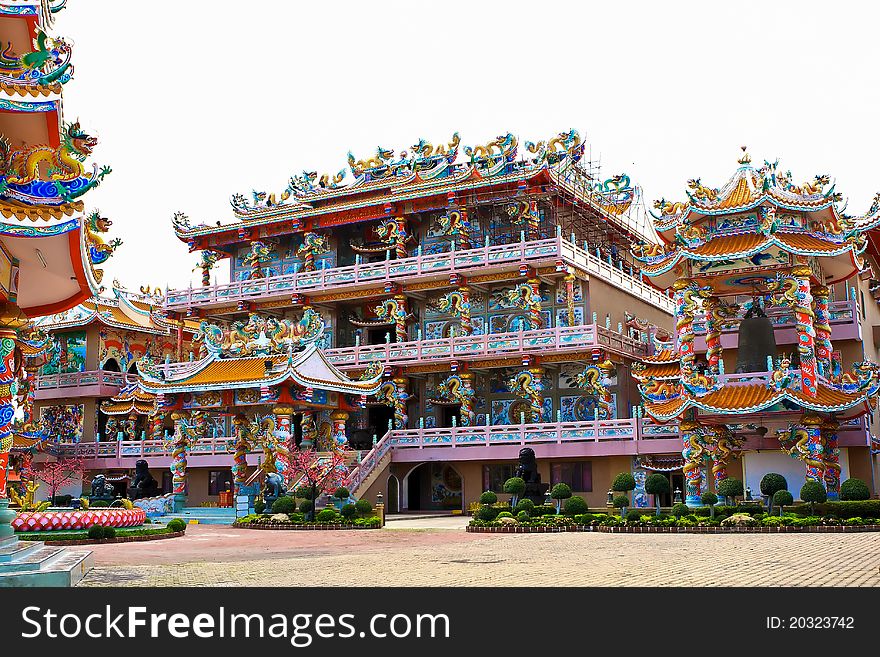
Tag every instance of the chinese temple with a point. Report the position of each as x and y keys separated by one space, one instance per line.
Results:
x=49 y=247
x=769 y=361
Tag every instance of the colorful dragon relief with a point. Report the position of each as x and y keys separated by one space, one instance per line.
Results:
x=805 y=441
x=793 y=290
x=565 y=145
x=50 y=174
x=458 y=389
x=393 y=238
x=458 y=304
x=529 y=385
x=527 y=296
x=394 y=395
x=719 y=315
x=693 y=452
x=722 y=446
x=496 y=153
x=47 y=64
x=260 y=254
x=206 y=263
x=99 y=250
x=687 y=291
x=262 y=335
x=391 y=312
x=312 y=245
x=455 y=224
x=593 y=381
x=525 y=214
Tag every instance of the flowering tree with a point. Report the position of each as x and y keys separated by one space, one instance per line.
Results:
x=62 y=471
x=321 y=475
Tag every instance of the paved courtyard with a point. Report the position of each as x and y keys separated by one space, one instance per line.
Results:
x=425 y=552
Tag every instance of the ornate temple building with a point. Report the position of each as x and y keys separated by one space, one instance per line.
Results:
x=773 y=368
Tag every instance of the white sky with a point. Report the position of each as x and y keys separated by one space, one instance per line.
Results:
x=193 y=100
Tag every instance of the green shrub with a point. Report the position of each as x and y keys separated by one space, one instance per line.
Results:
x=525 y=505
x=709 y=498
x=348 y=511
x=623 y=483
x=844 y=510
x=620 y=502
x=98 y=503
x=633 y=515
x=703 y=512
x=363 y=506
x=176 y=525
x=303 y=492
x=341 y=493
x=782 y=498
x=504 y=514
x=306 y=507
x=284 y=504
x=730 y=488
x=488 y=498
x=657 y=484
x=560 y=492
x=854 y=490
x=515 y=486
x=680 y=510
x=522 y=516
x=259 y=506
x=296 y=517
x=326 y=515
x=585 y=519
x=486 y=513
x=575 y=505
x=772 y=482
x=96 y=532
x=543 y=510
x=109 y=532
x=62 y=500
x=813 y=492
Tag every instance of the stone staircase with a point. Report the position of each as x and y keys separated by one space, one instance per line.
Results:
x=32 y=563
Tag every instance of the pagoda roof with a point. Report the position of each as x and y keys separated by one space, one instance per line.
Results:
x=309 y=368
x=131 y=399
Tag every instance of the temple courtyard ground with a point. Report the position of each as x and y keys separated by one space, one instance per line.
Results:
x=437 y=552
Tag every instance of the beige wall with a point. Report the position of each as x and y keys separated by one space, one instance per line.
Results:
x=604 y=299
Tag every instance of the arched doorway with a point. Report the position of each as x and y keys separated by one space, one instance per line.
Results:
x=393 y=496
x=111 y=365
x=433 y=487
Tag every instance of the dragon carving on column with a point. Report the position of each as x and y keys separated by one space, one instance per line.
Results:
x=529 y=385
x=313 y=244
x=457 y=389
x=457 y=303
x=593 y=380
x=525 y=296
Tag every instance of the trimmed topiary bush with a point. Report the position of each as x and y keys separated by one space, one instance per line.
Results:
x=623 y=483
x=109 y=532
x=363 y=507
x=544 y=509
x=486 y=513
x=854 y=490
x=781 y=498
x=341 y=493
x=284 y=504
x=176 y=525
x=348 y=511
x=772 y=482
x=96 y=532
x=303 y=492
x=488 y=498
x=620 y=502
x=504 y=514
x=326 y=515
x=525 y=505
x=680 y=510
x=813 y=492
x=633 y=515
x=515 y=486
x=730 y=488
x=560 y=492
x=99 y=503
x=657 y=484
x=259 y=506
x=710 y=499
x=575 y=505
x=523 y=516
x=306 y=507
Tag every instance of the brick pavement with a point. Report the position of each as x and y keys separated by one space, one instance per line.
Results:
x=223 y=556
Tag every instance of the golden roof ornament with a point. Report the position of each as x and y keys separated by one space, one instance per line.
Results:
x=745 y=158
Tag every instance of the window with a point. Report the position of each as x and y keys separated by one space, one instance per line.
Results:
x=578 y=475
x=219 y=481
x=495 y=475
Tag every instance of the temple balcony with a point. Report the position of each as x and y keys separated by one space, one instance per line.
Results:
x=494 y=345
x=556 y=252
x=95 y=383
x=844 y=324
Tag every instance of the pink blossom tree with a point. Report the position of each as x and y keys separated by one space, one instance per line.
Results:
x=319 y=474
x=60 y=472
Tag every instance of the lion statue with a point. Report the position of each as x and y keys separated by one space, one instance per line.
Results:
x=143 y=485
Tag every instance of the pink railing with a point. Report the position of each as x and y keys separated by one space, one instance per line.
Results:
x=90 y=378
x=115 y=449
x=368 y=463
x=420 y=266
x=565 y=338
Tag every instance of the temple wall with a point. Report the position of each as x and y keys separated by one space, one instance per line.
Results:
x=605 y=299
x=757 y=464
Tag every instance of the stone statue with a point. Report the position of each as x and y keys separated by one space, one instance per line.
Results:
x=527 y=470
x=101 y=489
x=273 y=488
x=144 y=485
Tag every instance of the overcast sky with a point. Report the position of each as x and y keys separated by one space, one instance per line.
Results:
x=194 y=100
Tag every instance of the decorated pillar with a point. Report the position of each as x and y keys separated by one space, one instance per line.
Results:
x=400 y=316
x=569 y=298
x=131 y=426
x=533 y=220
x=339 y=418
x=309 y=430
x=719 y=440
x=207 y=262
x=468 y=414
x=179 y=449
x=712 y=306
x=401 y=396
x=260 y=254
x=464 y=230
x=157 y=421
x=10 y=322
x=313 y=244
x=684 y=323
x=822 y=326
x=806 y=332
x=242 y=447
x=535 y=319
x=831 y=459
x=401 y=238
x=692 y=452
x=810 y=448
x=283 y=438
x=529 y=385
x=464 y=313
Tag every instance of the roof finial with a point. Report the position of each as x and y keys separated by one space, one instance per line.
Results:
x=746 y=158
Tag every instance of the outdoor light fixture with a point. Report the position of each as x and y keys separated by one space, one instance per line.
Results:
x=610 y=501
x=677 y=498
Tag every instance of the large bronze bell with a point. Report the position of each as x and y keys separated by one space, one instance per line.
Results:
x=756 y=341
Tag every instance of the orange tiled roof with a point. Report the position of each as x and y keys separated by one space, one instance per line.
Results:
x=729 y=244
x=235 y=370
x=664 y=371
x=739 y=196
x=665 y=356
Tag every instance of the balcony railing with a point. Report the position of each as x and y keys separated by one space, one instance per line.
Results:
x=79 y=379
x=434 y=265
x=843 y=313
x=469 y=347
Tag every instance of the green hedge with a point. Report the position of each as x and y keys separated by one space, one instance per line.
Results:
x=844 y=510
x=82 y=534
x=176 y=525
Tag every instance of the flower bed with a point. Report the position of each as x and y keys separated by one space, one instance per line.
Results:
x=297 y=521
x=46 y=521
x=81 y=537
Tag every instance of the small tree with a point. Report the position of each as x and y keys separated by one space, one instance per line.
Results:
x=782 y=498
x=710 y=499
x=319 y=475
x=515 y=486
x=657 y=485
x=770 y=483
x=56 y=475
x=623 y=483
x=730 y=488
x=488 y=498
x=813 y=492
x=621 y=502
x=560 y=492
x=341 y=493
x=854 y=489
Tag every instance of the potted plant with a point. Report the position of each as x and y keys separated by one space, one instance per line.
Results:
x=657 y=485
x=560 y=492
x=770 y=483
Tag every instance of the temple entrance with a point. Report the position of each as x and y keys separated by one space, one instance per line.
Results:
x=434 y=487
x=447 y=413
x=377 y=335
x=111 y=365
x=378 y=417
x=392 y=499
